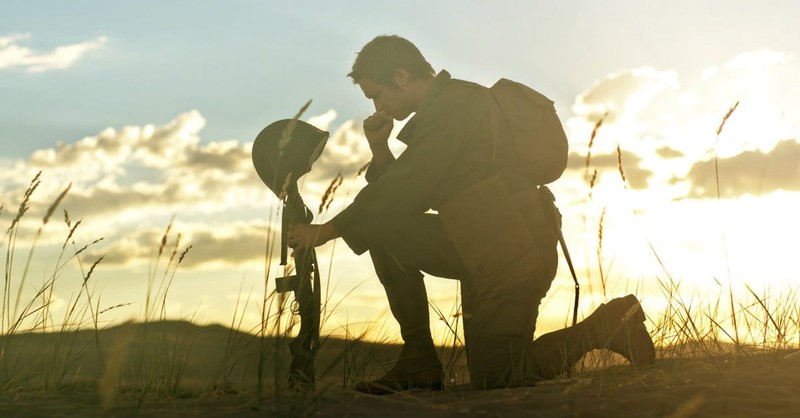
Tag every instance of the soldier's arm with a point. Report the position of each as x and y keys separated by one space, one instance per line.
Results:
x=439 y=138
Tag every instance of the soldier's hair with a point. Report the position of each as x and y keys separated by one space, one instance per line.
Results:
x=380 y=57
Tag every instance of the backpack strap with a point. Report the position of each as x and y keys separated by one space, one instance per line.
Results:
x=548 y=201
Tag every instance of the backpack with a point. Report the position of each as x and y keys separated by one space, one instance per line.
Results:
x=539 y=147
x=538 y=142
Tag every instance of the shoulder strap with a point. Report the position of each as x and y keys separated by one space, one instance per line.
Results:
x=548 y=201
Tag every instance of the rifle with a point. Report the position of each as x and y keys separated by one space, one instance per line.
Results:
x=282 y=153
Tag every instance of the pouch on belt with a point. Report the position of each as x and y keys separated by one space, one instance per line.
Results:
x=487 y=230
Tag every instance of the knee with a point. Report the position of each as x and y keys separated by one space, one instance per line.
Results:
x=390 y=269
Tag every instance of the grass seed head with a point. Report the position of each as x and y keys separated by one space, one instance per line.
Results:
x=23 y=206
x=286 y=137
x=619 y=164
x=363 y=169
x=327 y=197
x=183 y=254
x=55 y=204
x=725 y=118
x=596 y=128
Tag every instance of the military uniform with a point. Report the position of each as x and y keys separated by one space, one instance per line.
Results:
x=491 y=232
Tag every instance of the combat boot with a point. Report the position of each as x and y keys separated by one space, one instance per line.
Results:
x=619 y=326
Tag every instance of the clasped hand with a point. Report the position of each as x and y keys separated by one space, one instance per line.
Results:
x=377 y=128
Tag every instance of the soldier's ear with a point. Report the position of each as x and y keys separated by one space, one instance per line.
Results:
x=401 y=78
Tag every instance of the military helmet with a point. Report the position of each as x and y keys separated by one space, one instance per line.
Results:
x=285 y=150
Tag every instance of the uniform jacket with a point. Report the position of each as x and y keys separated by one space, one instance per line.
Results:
x=450 y=127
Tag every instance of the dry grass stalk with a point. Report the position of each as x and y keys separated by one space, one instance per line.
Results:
x=91 y=269
x=175 y=248
x=619 y=166
x=725 y=118
x=23 y=206
x=72 y=227
x=287 y=132
x=46 y=291
x=734 y=320
x=183 y=254
x=287 y=183
x=327 y=197
x=363 y=168
x=591 y=141
x=716 y=154
x=592 y=182
x=111 y=308
x=600 y=250
x=164 y=239
x=82 y=249
x=55 y=204
x=600 y=230
x=760 y=300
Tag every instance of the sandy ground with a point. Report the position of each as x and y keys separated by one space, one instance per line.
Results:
x=765 y=385
x=744 y=385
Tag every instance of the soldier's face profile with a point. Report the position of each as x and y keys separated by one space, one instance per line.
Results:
x=393 y=100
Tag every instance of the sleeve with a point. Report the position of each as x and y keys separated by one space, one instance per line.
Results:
x=374 y=173
x=438 y=140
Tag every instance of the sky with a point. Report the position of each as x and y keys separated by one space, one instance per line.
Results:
x=147 y=111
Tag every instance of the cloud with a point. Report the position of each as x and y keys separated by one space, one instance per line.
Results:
x=667 y=152
x=636 y=176
x=668 y=130
x=206 y=245
x=12 y=55
x=751 y=172
x=747 y=61
x=140 y=169
x=127 y=183
x=346 y=152
x=324 y=120
x=623 y=100
x=236 y=243
x=628 y=91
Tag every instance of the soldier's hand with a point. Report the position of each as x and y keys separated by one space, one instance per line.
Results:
x=377 y=128
x=304 y=237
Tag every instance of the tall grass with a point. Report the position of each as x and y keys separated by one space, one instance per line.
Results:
x=28 y=307
x=29 y=310
x=715 y=323
x=161 y=354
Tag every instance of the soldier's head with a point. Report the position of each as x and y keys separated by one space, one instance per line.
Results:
x=393 y=74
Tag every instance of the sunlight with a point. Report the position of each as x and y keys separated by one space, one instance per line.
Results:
x=756 y=122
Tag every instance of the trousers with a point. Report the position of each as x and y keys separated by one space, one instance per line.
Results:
x=499 y=312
